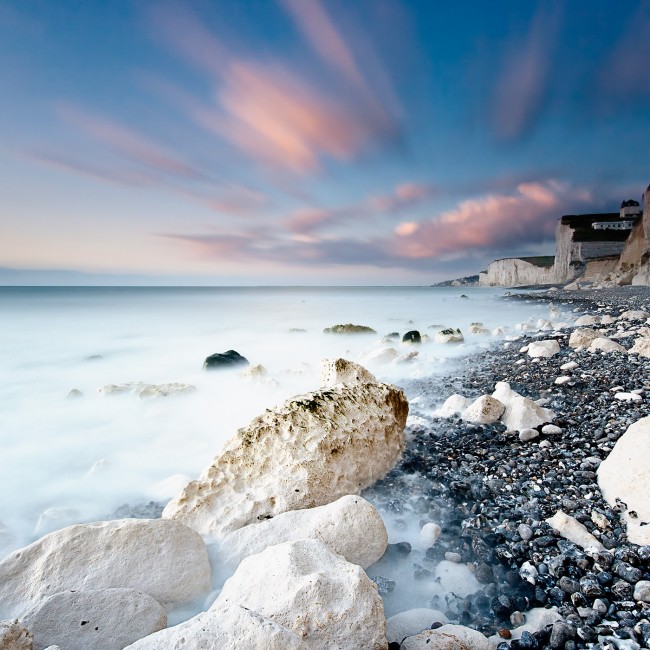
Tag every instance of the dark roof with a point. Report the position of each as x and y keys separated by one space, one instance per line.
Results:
x=585 y=220
x=630 y=203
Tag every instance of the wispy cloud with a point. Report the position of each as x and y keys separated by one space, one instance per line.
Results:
x=523 y=83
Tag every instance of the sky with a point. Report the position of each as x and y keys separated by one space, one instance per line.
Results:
x=307 y=142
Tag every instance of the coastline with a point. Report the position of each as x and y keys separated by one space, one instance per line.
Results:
x=486 y=487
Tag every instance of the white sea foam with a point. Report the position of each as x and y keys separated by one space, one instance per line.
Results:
x=64 y=461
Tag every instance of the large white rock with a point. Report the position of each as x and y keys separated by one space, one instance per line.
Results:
x=571 y=529
x=625 y=475
x=582 y=337
x=232 y=628
x=484 y=410
x=350 y=526
x=453 y=405
x=606 y=345
x=447 y=637
x=504 y=393
x=522 y=413
x=161 y=558
x=312 y=450
x=14 y=636
x=106 y=618
x=341 y=371
x=587 y=320
x=449 y=335
x=641 y=347
x=634 y=314
x=546 y=349
x=536 y=619
x=329 y=602
x=411 y=622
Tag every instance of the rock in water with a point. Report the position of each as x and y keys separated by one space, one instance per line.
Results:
x=109 y=619
x=349 y=328
x=350 y=527
x=161 y=558
x=625 y=475
x=229 y=359
x=450 y=335
x=454 y=404
x=330 y=603
x=412 y=337
x=233 y=628
x=312 y=450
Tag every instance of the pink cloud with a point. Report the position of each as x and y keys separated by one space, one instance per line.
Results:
x=404 y=195
x=499 y=220
x=522 y=85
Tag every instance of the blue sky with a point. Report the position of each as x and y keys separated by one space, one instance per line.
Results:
x=310 y=141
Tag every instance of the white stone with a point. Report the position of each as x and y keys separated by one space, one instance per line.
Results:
x=328 y=602
x=161 y=558
x=504 y=393
x=14 y=636
x=526 y=435
x=634 y=314
x=536 y=619
x=564 y=379
x=456 y=404
x=350 y=526
x=107 y=618
x=450 y=335
x=529 y=572
x=587 y=320
x=484 y=410
x=522 y=413
x=551 y=430
x=447 y=637
x=625 y=475
x=607 y=320
x=571 y=529
x=570 y=365
x=606 y=345
x=520 y=362
x=641 y=347
x=582 y=337
x=255 y=372
x=523 y=349
x=456 y=577
x=429 y=535
x=628 y=397
x=334 y=372
x=478 y=328
x=231 y=628
x=498 y=331
x=545 y=444
x=312 y=450
x=407 y=357
x=642 y=591
x=411 y=622
x=380 y=357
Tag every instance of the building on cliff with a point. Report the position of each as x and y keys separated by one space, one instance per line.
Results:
x=612 y=247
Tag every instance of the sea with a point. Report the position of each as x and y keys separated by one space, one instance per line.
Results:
x=66 y=460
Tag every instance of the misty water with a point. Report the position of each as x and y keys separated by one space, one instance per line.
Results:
x=66 y=461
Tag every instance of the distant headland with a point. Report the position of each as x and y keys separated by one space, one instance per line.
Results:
x=601 y=250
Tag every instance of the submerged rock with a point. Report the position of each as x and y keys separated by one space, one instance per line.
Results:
x=450 y=335
x=144 y=391
x=303 y=586
x=161 y=558
x=349 y=328
x=454 y=404
x=351 y=527
x=412 y=337
x=311 y=450
x=220 y=360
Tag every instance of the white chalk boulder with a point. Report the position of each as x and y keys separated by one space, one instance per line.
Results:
x=350 y=526
x=161 y=558
x=449 y=335
x=582 y=337
x=634 y=314
x=329 y=602
x=641 y=347
x=232 y=628
x=571 y=529
x=587 y=320
x=504 y=393
x=625 y=475
x=522 y=413
x=106 y=618
x=412 y=622
x=484 y=410
x=447 y=637
x=311 y=450
x=543 y=349
x=456 y=404
x=606 y=345
x=15 y=636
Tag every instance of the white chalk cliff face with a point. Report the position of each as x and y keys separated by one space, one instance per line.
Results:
x=513 y=272
x=310 y=451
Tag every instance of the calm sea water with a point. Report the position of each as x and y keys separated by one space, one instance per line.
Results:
x=65 y=460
